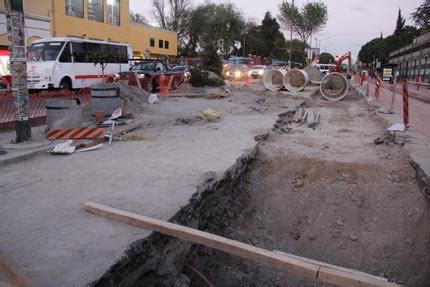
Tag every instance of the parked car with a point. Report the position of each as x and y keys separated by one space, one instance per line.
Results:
x=148 y=73
x=236 y=72
x=183 y=68
x=258 y=71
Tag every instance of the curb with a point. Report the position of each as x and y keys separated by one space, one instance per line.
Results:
x=23 y=156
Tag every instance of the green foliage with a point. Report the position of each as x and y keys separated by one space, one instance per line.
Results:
x=200 y=78
x=138 y=18
x=306 y=21
x=326 y=58
x=400 y=24
x=214 y=25
x=421 y=16
x=212 y=61
x=380 y=48
x=297 y=50
x=103 y=57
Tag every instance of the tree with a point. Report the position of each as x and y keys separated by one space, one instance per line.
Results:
x=214 y=26
x=309 y=20
x=297 y=51
x=326 y=58
x=137 y=18
x=272 y=36
x=174 y=16
x=103 y=57
x=370 y=51
x=400 y=24
x=421 y=16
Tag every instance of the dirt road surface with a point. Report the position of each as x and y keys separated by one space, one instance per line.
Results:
x=332 y=195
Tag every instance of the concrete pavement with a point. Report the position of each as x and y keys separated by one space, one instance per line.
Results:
x=46 y=233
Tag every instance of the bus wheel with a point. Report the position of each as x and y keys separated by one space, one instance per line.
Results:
x=66 y=84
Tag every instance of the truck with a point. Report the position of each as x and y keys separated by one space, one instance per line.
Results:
x=147 y=74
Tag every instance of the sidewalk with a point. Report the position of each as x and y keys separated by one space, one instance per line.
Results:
x=418 y=145
x=419 y=111
x=12 y=152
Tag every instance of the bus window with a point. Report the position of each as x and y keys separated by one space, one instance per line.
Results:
x=47 y=51
x=66 y=56
x=79 y=53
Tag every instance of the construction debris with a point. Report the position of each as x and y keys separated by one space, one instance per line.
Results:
x=211 y=115
x=390 y=138
x=132 y=137
x=312 y=119
x=64 y=148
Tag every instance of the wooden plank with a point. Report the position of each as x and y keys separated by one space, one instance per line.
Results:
x=342 y=276
x=120 y=130
x=214 y=241
x=13 y=275
x=280 y=260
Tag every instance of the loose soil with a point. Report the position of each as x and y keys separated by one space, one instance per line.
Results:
x=329 y=194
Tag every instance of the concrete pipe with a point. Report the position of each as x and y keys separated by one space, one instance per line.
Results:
x=296 y=80
x=273 y=80
x=334 y=87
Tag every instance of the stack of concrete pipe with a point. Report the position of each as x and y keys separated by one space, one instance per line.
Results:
x=334 y=86
x=294 y=80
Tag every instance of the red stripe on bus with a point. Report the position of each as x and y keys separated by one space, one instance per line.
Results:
x=80 y=77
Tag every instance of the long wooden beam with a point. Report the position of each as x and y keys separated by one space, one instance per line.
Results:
x=13 y=274
x=286 y=262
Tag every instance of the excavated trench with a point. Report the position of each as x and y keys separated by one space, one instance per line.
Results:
x=365 y=215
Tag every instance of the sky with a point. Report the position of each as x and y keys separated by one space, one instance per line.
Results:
x=351 y=23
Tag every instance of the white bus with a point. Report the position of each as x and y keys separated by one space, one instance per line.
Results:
x=66 y=62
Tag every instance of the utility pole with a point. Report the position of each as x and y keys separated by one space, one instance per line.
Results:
x=291 y=36
x=18 y=68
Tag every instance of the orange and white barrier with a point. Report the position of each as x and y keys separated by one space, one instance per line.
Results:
x=405 y=104
x=377 y=87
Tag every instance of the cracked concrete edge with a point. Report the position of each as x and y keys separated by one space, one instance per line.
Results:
x=22 y=156
x=150 y=252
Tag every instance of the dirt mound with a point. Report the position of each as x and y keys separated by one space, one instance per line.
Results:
x=134 y=96
x=314 y=73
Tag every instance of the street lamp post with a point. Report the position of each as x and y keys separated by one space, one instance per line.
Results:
x=291 y=36
x=18 y=68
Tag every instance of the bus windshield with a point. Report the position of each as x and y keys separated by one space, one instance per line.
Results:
x=42 y=52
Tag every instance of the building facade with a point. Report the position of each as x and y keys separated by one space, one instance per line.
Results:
x=413 y=60
x=106 y=20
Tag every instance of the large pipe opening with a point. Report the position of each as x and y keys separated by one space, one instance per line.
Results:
x=334 y=87
x=273 y=80
x=296 y=80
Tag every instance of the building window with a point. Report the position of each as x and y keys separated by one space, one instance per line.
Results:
x=160 y=44
x=75 y=8
x=166 y=44
x=152 y=42
x=95 y=10
x=113 y=12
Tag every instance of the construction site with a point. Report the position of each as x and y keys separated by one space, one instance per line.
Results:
x=288 y=180
x=210 y=150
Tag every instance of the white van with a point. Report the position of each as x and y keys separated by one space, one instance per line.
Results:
x=325 y=68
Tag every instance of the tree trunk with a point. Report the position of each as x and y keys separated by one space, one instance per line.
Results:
x=18 y=68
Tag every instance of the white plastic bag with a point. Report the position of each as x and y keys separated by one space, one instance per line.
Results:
x=153 y=99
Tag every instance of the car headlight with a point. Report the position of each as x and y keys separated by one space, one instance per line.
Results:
x=249 y=73
x=227 y=73
x=117 y=76
x=141 y=76
x=261 y=72
x=238 y=74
